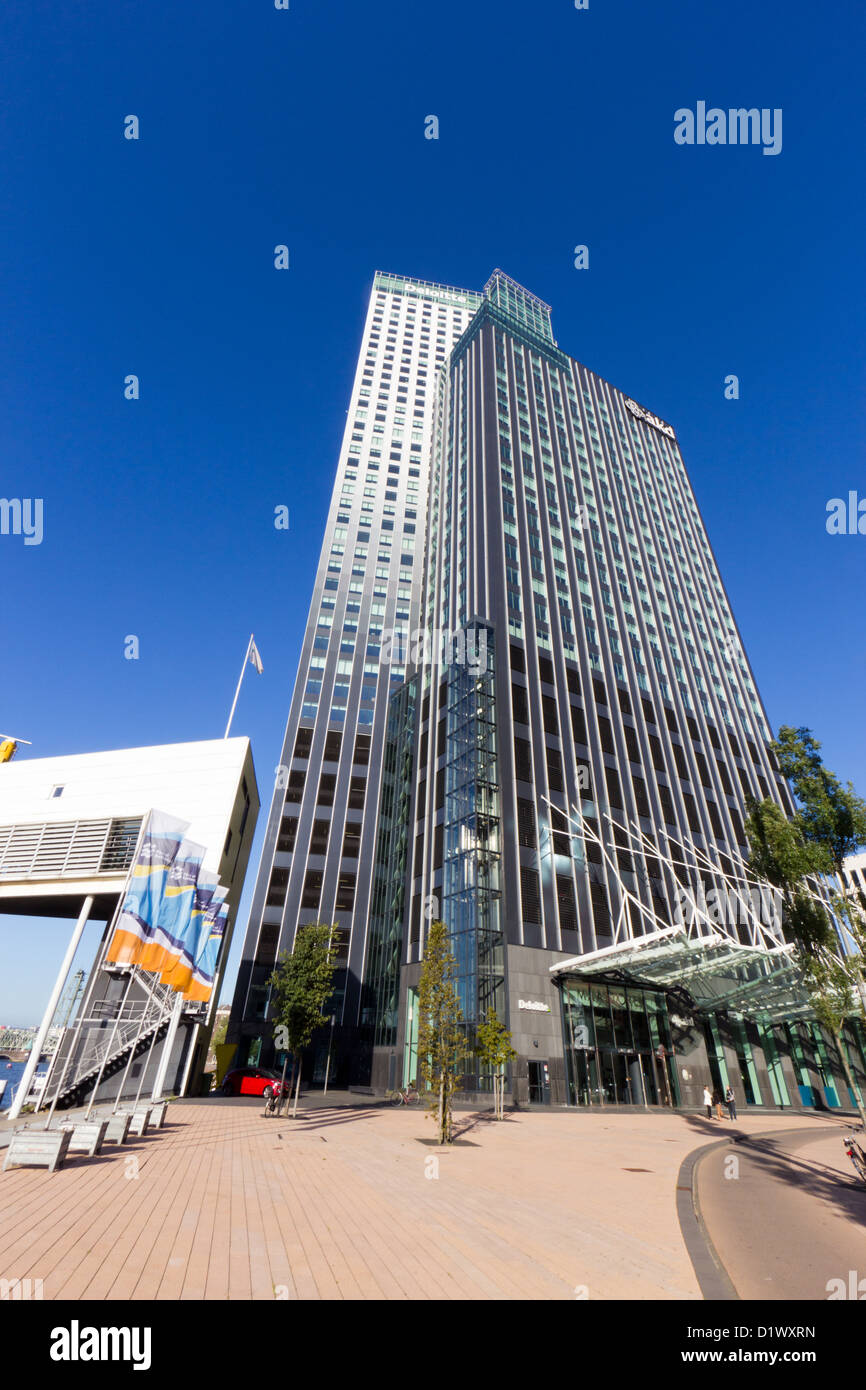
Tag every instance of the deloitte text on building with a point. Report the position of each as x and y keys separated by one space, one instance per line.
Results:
x=523 y=707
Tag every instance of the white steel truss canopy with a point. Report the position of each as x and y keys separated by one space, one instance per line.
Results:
x=716 y=972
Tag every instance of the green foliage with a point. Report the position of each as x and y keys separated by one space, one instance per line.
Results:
x=302 y=984
x=219 y=1032
x=829 y=825
x=781 y=855
x=493 y=1045
x=440 y=1035
x=830 y=815
x=493 y=1042
x=831 y=992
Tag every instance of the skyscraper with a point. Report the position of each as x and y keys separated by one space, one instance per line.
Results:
x=562 y=770
x=317 y=856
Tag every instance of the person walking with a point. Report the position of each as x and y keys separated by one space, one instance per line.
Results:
x=731 y=1103
x=717 y=1102
x=708 y=1102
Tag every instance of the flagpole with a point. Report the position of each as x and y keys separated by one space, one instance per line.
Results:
x=240 y=682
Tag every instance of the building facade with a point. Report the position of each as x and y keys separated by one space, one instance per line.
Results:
x=317 y=857
x=562 y=769
x=69 y=828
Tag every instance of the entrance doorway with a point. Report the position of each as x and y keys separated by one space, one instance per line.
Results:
x=619 y=1048
x=539 y=1083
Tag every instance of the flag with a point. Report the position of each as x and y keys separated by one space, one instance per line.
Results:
x=205 y=969
x=157 y=851
x=171 y=925
x=255 y=659
x=209 y=897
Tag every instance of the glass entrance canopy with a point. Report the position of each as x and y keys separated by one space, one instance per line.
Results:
x=716 y=972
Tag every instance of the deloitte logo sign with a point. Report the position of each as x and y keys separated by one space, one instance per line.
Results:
x=651 y=419
x=534 y=1006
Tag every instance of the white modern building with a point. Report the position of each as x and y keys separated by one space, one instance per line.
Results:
x=69 y=827
x=855 y=873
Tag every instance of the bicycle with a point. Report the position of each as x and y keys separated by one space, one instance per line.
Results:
x=409 y=1096
x=273 y=1100
x=855 y=1153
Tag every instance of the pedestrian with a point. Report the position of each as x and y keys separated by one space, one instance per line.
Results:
x=708 y=1102
x=717 y=1102
x=731 y=1102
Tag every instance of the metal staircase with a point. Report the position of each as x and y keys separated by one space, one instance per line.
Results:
x=105 y=1040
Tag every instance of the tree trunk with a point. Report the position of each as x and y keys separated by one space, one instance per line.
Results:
x=442 y=1110
x=282 y=1087
x=846 y=1067
x=297 y=1090
x=286 y=1098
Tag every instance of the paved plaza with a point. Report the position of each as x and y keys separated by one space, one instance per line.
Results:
x=358 y=1202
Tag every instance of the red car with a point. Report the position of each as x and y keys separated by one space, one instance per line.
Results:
x=250 y=1081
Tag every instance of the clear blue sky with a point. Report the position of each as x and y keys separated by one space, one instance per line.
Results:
x=306 y=127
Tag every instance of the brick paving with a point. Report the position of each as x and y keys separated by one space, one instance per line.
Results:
x=358 y=1202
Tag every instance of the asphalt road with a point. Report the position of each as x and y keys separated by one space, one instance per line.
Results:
x=786 y=1214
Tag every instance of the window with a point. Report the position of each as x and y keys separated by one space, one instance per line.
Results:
x=288 y=832
x=346 y=892
x=614 y=791
x=640 y=796
x=554 y=770
x=312 y=888
x=352 y=840
x=519 y=704
x=530 y=895
x=548 y=709
x=667 y=804
x=522 y=760
x=277 y=888
x=566 y=902
x=303 y=743
x=357 y=793
x=578 y=725
x=327 y=782
x=525 y=823
x=296 y=786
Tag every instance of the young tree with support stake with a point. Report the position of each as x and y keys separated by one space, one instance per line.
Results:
x=302 y=984
x=441 y=1041
x=493 y=1045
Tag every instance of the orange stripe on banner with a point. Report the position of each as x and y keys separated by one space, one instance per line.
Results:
x=179 y=978
x=155 y=957
x=125 y=948
x=199 y=993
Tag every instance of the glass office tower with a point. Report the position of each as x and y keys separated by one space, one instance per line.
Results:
x=318 y=852
x=570 y=746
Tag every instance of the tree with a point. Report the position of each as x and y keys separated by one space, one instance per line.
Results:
x=830 y=816
x=440 y=1037
x=781 y=856
x=493 y=1045
x=785 y=856
x=302 y=984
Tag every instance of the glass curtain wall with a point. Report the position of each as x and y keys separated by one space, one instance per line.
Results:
x=471 y=887
x=381 y=1000
x=618 y=1045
